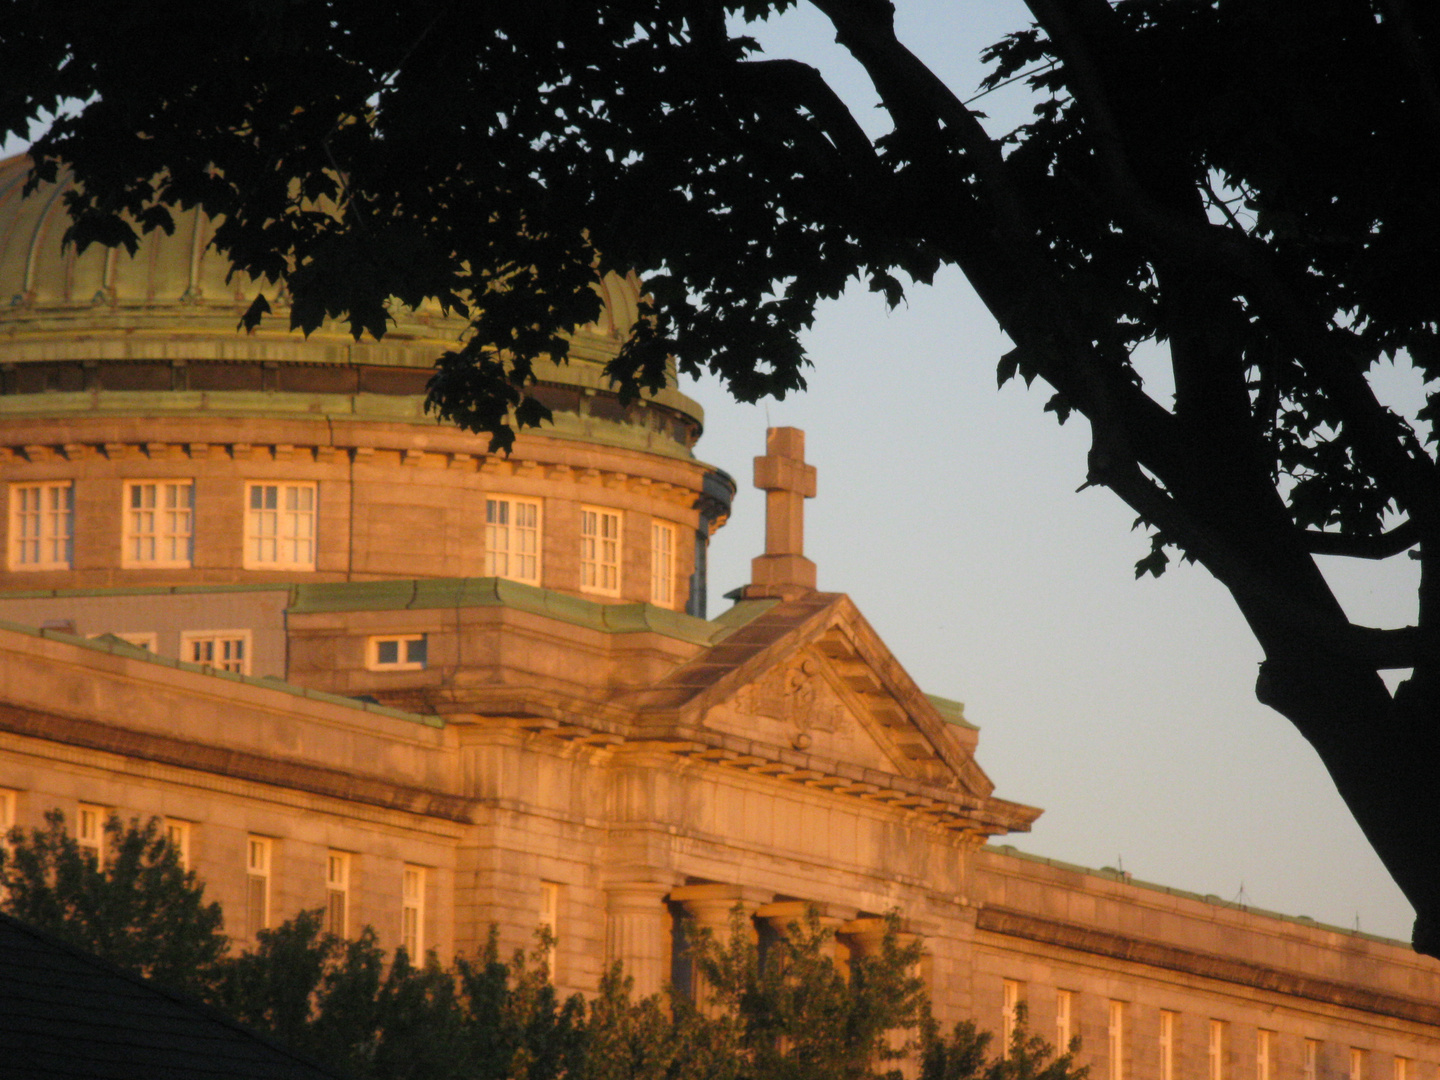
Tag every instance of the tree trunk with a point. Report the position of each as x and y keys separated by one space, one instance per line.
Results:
x=1384 y=756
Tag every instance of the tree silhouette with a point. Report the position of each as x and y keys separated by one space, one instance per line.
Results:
x=1247 y=186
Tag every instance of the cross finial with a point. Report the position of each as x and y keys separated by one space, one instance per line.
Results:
x=787 y=482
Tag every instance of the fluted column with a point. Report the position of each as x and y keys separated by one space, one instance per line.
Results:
x=779 y=917
x=712 y=908
x=637 y=932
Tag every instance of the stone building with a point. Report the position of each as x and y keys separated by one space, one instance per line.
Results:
x=358 y=663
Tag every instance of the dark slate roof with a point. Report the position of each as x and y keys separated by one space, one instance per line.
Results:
x=65 y=1013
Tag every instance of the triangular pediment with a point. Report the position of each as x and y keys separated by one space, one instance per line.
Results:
x=811 y=676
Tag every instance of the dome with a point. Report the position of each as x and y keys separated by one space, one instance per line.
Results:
x=147 y=443
x=171 y=303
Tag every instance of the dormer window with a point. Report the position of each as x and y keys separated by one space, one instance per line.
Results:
x=397 y=652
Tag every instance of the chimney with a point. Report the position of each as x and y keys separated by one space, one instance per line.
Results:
x=783 y=571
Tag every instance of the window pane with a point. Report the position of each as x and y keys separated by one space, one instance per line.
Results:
x=280 y=526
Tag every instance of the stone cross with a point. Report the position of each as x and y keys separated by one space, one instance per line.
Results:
x=787 y=482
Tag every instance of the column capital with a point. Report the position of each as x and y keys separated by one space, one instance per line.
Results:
x=782 y=914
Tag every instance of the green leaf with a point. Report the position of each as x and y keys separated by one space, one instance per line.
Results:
x=258 y=309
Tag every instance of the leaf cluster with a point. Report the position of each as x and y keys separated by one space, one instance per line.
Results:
x=347 y=1002
x=1264 y=167
x=489 y=160
x=792 y=1012
x=965 y=1055
x=140 y=909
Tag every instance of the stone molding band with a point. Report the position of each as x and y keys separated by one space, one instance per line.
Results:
x=408 y=455
x=1205 y=965
x=236 y=764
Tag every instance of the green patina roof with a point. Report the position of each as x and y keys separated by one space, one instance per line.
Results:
x=438 y=593
x=108 y=643
x=422 y=594
x=952 y=712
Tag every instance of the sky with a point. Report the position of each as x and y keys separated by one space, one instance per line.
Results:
x=948 y=511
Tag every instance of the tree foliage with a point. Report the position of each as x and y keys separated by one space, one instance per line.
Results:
x=964 y=1055
x=792 y=1012
x=138 y=908
x=789 y=1014
x=1246 y=186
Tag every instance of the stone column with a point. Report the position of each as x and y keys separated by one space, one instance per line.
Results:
x=780 y=916
x=714 y=908
x=865 y=935
x=637 y=932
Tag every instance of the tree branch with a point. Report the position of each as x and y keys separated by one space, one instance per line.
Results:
x=999 y=255
x=1401 y=538
x=1080 y=29
x=808 y=89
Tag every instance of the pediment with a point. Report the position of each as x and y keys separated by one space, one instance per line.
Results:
x=812 y=677
x=802 y=705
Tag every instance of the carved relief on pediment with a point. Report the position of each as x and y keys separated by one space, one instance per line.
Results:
x=795 y=706
x=795 y=694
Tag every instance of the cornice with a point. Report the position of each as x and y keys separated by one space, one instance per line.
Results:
x=182 y=753
x=1155 y=954
x=377 y=451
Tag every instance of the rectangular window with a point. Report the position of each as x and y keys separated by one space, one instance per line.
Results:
x=337 y=886
x=8 y=820
x=1402 y=1068
x=1064 y=1020
x=178 y=834
x=1009 y=1007
x=1168 y=1028
x=600 y=550
x=662 y=564
x=512 y=539
x=397 y=652
x=8 y=815
x=1264 y=1049
x=1312 y=1059
x=257 y=894
x=1117 y=1040
x=550 y=922
x=412 y=912
x=42 y=525
x=1357 y=1064
x=228 y=650
x=280 y=526
x=159 y=523
x=1217 y=1050
x=90 y=830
